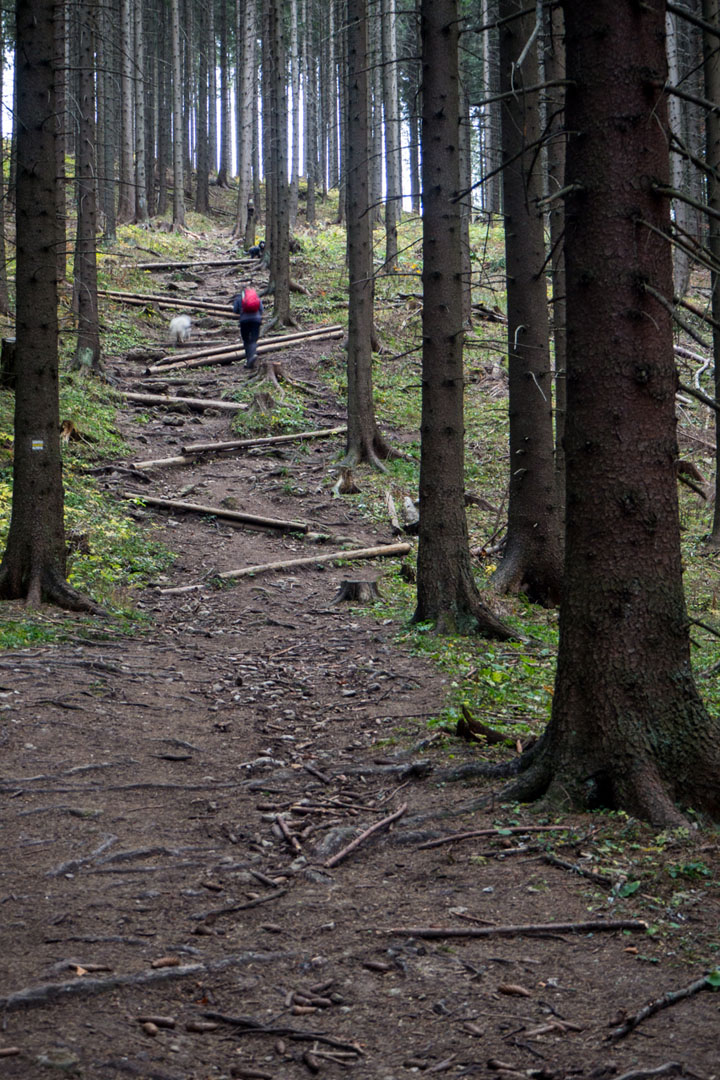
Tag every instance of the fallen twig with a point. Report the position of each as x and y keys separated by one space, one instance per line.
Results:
x=382 y=824
x=577 y=868
x=246 y=1025
x=645 y=1074
x=237 y=351
x=220 y=512
x=592 y=927
x=670 y=997
x=230 y=909
x=499 y=832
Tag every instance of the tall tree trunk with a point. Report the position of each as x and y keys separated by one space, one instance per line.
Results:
x=446 y=590
x=376 y=118
x=555 y=72
x=278 y=223
x=165 y=109
x=33 y=564
x=295 y=113
x=202 y=188
x=310 y=104
x=532 y=559
x=678 y=164
x=87 y=351
x=141 y=206
x=364 y=442
x=62 y=121
x=126 y=197
x=226 y=136
x=247 y=40
x=628 y=728
x=391 y=112
x=711 y=15
x=4 y=297
x=212 y=91
x=178 y=213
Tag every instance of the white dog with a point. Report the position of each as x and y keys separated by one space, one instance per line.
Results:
x=180 y=329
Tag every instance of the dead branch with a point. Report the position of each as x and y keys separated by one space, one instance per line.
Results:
x=667 y=1069
x=454 y=837
x=247 y=1025
x=265 y=440
x=397 y=528
x=670 y=997
x=218 y=511
x=182 y=265
x=577 y=868
x=141 y=299
x=230 y=909
x=382 y=824
x=275 y=339
x=36 y=996
x=529 y=929
x=183 y=402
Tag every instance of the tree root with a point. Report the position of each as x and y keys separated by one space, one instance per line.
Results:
x=45 y=586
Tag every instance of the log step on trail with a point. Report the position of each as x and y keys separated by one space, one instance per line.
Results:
x=271 y=339
x=253 y=520
x=385 y=551
x=183 y=402
x=166 y=301
x=264 y=440
x=224 y=355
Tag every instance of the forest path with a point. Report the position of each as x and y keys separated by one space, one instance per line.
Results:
x=171 y=803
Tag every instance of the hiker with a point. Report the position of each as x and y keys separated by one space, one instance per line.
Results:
x=248 y=306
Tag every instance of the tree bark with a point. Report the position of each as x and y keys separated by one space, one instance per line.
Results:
x=126 y=197
x=446 y=590
x=391 y=110
x=33 y=564
x=277 y=179
x=628 y=728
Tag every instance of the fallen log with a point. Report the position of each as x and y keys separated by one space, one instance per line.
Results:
x=237 y=352
x=163 y=301
x=183 y=402
x=156 y=462
x=265 y=440
x=300 y=335
x=591 y=927
x=290 y=564
x=182 y=265
x=221 y=512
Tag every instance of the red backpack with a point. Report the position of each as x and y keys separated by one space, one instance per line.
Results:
x=250 y=302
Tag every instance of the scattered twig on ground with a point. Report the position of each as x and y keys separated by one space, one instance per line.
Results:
x=214 y=913
x=670 y=997
x=246 y=1025
x=667 y=1069
x=499 y=832
x=578 y=868
x=264 y=440
x=383 y=824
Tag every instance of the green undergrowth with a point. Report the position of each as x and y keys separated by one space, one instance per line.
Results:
x=109 y=555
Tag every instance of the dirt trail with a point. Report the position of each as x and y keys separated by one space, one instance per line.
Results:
x=170 y=804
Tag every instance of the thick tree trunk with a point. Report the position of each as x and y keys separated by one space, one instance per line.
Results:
x=628 y=728
x=141 y=206
x=4 y=297
x=310 y=104
x=246 y=106
x=279 y=208
x=364 y=442
x=223 y=177
x=532 y=559
x=446 y=591
x=33 y=565
x=294 y=60
x=62 y=125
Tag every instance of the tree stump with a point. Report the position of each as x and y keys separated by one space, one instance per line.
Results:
x=362 y=592
x=7 y=364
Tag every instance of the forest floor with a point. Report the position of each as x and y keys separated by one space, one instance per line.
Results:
x=172 y=803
